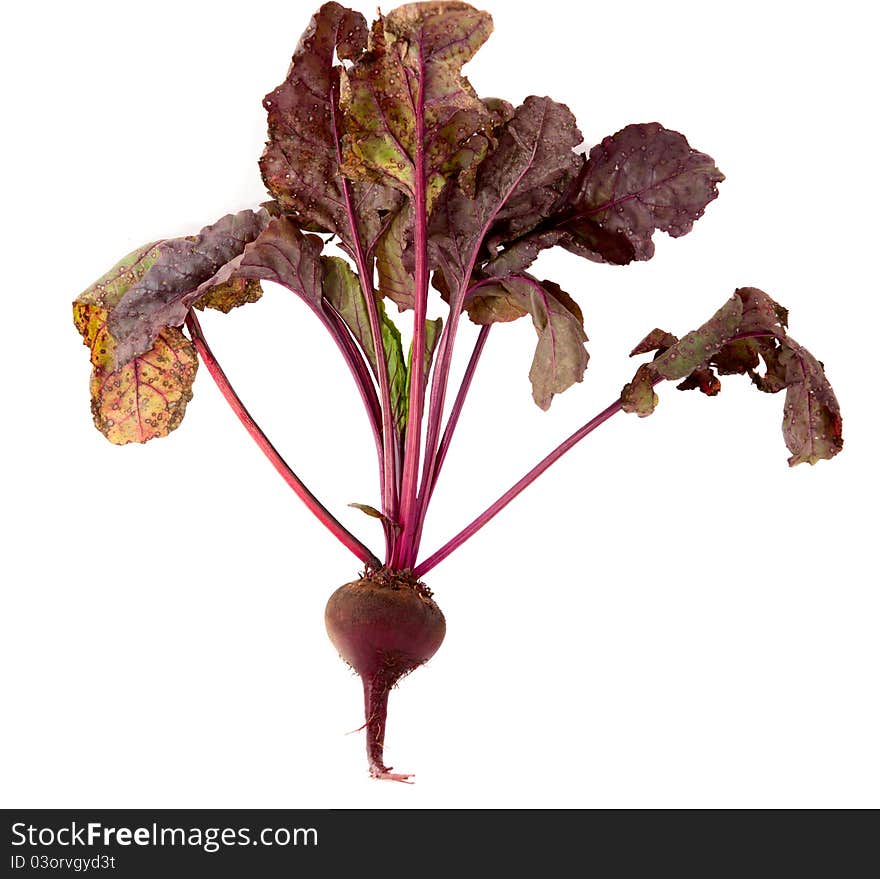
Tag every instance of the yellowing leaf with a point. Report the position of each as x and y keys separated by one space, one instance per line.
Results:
x=235 y=292
x=147 y=397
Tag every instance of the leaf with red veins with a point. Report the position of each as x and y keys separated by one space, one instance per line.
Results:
x=301 y=162
x=749 y=327
x=811 y=424
x=551 y=172
x=584 y=238
x=147 y=397
x=641 y=179
x=695 y=350
x=166 y=292
x=518 y=180
x=405 y=100
x=282 y=254
x=560 y=357
x=645 y=178
x=468 y=160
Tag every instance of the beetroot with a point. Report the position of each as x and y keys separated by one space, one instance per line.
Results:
x=384 y=626
x=392 y=183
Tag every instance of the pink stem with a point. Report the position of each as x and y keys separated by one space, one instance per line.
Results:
x=451 y=424
x=459 y=405
x=468 y=532
x=315 y=506
x=443 y=365
x=409 y=484
x=390 y=441
x=512 y=492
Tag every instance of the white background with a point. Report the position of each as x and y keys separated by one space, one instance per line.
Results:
x=671 y=617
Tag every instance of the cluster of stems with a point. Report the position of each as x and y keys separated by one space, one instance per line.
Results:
x=406 y=487
x=399 y=555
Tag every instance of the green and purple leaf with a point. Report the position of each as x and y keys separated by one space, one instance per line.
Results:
x=748 y=329
x=301 y=162
x=163 y=296
x=394 y=260
x=342 y=290
x=281 y=254
x=433 y=328
x=145 y=398
x=412 y=119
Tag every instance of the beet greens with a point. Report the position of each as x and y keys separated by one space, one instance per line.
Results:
x=379 y=146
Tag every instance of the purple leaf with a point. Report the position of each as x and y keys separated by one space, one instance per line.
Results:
x=560 y=357
x=301 y=162
x=284 y=255
x=645 y=178
x=164 y=295
x=516 y=183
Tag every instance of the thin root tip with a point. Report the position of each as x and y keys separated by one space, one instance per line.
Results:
x=383 y=774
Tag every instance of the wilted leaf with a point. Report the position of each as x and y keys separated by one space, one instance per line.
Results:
x=703 y=379
x=232 y=294
x=749 y=327
x=492 y=303
x=656 y=340
x=373 y=513
x=696 y=349
x=163 y=296
x=147 y=397
x=811 y=422
x=638 y=396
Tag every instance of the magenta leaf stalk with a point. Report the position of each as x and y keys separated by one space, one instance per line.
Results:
x=390 y=441
x=409 y=486
x=520 y=486
x=451 y=424
x=321 y=513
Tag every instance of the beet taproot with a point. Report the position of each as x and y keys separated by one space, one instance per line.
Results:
x=384 y=625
